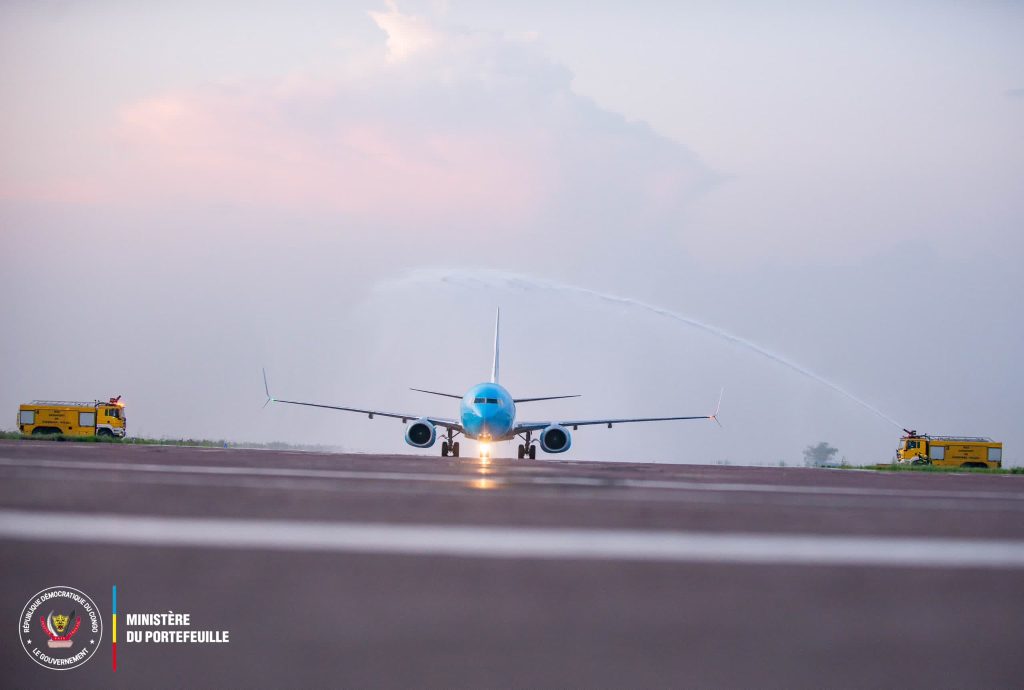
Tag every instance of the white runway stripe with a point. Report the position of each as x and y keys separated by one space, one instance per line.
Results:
x=510 y=542
x=498 y=477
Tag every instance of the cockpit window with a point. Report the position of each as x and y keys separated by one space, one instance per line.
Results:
x=479 y=400
x=493 y=401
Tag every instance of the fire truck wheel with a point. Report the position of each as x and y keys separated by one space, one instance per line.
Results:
x=104 y=432
x=45 y=430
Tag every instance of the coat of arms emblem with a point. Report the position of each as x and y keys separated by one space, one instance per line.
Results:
x=68 y=621
x=60 y=628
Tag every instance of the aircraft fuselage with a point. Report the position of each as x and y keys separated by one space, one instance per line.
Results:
x=487 y=412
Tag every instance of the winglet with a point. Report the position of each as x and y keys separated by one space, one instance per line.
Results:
x=266 y=388
x=497 y=325
x=718 y=407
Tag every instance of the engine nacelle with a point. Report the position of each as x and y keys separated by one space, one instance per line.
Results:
x=555 y=439
x=421 y=433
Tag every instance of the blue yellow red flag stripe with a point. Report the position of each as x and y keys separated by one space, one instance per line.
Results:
x=113 y=628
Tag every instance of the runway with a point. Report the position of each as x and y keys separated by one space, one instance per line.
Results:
x=369 y=570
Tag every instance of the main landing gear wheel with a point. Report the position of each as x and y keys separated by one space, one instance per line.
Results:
x=533 y=452
x=455 y=449
x=444 y=449
x=522 y=451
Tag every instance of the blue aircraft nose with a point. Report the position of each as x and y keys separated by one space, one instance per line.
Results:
x=495 y=422
x=487 y=423
x=487 y=412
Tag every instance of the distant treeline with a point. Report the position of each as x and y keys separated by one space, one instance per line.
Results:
x=201 y=442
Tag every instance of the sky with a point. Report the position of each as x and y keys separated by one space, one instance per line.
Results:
x=344 y=192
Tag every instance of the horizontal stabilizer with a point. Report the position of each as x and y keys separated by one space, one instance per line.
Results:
x=443 y=395
x=549 y=397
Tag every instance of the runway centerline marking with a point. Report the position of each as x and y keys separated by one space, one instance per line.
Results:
x=511 y=542
x=495 y=474
x=592 y=494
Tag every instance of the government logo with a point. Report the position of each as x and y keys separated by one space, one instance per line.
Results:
x=60 y=628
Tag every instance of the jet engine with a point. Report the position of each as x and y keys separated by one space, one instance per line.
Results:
x=421 y=433
x=555 y=439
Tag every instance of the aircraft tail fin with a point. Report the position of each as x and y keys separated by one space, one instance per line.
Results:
x=497 y=325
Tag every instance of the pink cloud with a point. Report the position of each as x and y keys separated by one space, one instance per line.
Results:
x=239 y=147
x=56 y=190
x=445 y=127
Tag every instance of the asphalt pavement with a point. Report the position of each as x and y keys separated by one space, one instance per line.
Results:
x=387 y=571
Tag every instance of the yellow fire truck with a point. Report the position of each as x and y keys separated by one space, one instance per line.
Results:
x=949 y=451
x=73 y=418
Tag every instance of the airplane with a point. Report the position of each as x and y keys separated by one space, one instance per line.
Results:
x=487 y=414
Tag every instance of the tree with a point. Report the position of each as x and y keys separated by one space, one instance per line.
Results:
x=819 y=455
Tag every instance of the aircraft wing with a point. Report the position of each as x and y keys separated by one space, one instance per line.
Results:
x=439 y=421
x=537 y=426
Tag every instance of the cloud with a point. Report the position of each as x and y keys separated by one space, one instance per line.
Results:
x=1015 y=93
x=449 y=126
x=407 y=34
x=265 y=147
